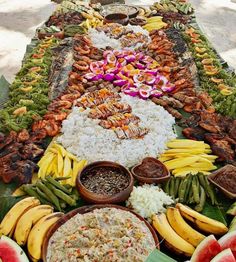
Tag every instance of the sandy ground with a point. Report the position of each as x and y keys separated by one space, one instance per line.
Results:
x=20 y=18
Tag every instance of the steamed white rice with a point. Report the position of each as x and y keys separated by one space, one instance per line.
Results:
x=83 y=136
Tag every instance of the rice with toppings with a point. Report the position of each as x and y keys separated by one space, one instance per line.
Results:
x=86 y=139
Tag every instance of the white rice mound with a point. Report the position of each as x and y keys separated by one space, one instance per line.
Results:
x=148 y=200
x=86 y=139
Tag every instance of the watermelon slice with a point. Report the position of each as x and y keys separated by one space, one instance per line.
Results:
x=206 y=250
x=224 y=256
x=10 y=251
x=229 y=241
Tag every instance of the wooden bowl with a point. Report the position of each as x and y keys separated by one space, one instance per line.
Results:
x=119 y=18
x=87 y=209
x=92 y=197
x=151 y=180
x=60 y=35
x=224 y=191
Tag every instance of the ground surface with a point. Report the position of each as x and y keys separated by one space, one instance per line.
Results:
x=20 y=18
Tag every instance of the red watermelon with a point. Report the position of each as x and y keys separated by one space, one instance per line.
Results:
x=229 y=241
x=224 y=256
x=10 y=251
x=206 y=250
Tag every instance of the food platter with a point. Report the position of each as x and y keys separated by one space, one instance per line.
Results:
x=140 y=114
x=87 y=209
x=131 y=11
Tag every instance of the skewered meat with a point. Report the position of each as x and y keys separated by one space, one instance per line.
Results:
x=130 y=131
x=119 y=120
x=105 y=110
x=209 y=122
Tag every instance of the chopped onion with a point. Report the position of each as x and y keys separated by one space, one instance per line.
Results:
x=130 y=58
x=144 y=94
x=140 y=66
x=168 y=88
x=132 y=91
x=90 y=76
x=156 y=93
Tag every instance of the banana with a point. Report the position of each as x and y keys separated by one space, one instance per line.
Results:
x=172 y=240
x=45 y=164
x=67 y=166
x=202 y=222
x=59 y=148
x=182 y=143
x=37 y=234
x=27 y=220
x=182 y=228
x=86 y=15
x=8 y=223
x=60 y=163
x=181 y=162
x=141 y=11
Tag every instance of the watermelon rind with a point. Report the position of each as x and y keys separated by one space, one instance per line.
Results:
x=232 y=210
x=206 y=250
x=224 y=256
x=232 y=226
x=229 y=241
x=21 y=256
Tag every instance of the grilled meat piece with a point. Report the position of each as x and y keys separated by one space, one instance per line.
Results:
x=97 y=97
x=23 y=136
x=174 y=112
x=131 y=131
x=119 y=120
x=210 y=122
x=221 y=147
x=8 y=139
x=195 y=133
x=31 y=151
x=103 y=111
x=232 y=130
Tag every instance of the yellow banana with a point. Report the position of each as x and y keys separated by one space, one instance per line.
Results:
x=71 y=156
x=182 y=228
x=27 y=220
x=171 y=239
x=202 y=222
x=37 y=235
x=45 y=164
x=8 y=223
x=60 y=163
x=185 y=144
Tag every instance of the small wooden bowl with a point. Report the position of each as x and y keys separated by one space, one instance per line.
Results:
x=60 y=35
x=87 y=209
x=92 y=197
x=224 y=191
x=151 y=180
x=119 y=18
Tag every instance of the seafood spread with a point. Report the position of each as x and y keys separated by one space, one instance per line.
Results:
x=106 y=234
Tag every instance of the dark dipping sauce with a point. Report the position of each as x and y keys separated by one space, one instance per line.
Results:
x=151 y=168
x=226 y=178
x=105 y=180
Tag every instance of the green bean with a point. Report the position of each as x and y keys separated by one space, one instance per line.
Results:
x=49 y=193
x=62 y=178
x=202 y=201
x=182 y=190
x=57 y=184
x=60 y=194
x=166 y=187
x=188 y=186
x=177 y=183
x=195 y=187
x=32 y=192
x=172 y=187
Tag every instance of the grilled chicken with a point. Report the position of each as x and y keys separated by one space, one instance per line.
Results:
x=119 y=120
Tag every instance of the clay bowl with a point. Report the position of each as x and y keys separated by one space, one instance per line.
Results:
x=119 y=18
x=92 y=197
x=59 y=35
x=86 y=209
x=222 y=189
x=151 y=180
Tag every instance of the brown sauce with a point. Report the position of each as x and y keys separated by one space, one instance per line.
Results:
x=150 y=168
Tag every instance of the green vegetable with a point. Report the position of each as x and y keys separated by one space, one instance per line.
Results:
x=57 y=184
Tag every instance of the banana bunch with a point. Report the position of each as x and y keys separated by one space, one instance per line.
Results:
x=28 y=222
x=154 y=23
x=192 y=189
x=146 y=11
x=175 y=6
x=179 y=26
x=186 y=156
x=51 y=192
x=178 y=235
x=58 y=162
